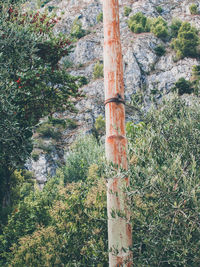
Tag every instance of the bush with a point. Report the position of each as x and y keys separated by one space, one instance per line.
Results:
x=196 y=79
x=159 y=9
x=165 y=187
x=35 y=155
x=186 y=42
x=127 y=11
x=159 y=50
x=100 y=126
x=31 y=211
x=139 y=23
x=159 y=28
x=174 y=27
x=100 y=17
x=183 y=86
x=193 y=9
x=85 y=152
x=77 y=31
x=74 y=217
x=83 y=81
x=31 y=83
x=98 y=70
x=47 y=130
x=164 y=197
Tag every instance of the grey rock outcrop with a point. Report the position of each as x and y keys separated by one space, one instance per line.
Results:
x=143 y=69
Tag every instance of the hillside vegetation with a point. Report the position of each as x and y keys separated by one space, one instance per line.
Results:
x=51 y=90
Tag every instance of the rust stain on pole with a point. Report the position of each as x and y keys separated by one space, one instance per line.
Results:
x=119 y=228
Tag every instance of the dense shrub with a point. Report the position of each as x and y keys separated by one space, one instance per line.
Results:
x=182 y=86
x=98 y=70
x=85 y=152
x=47 y=130
x=174 y=27
x=139 y=23
x=31 y=211
x=100 y=126
x=159 y=50
x=164 y=173
x=77 y=31
x=32 y=84
x=159 y=28
x=196 y=79
x=193 y=9
x=159 y=9
x=74 y=216
x=165 y=192
x=186 y=42
x=127 y=11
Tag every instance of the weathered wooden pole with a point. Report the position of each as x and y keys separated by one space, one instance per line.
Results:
x=119 y=228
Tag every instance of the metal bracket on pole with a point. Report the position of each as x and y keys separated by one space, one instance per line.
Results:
x=117 y=99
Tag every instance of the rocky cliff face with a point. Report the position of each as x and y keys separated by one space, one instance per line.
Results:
x=143 y=69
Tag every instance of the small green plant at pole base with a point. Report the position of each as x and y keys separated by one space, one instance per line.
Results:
x=127 y=11
x=98 y=70
x=193 y=9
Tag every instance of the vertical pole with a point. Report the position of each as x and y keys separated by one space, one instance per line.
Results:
x=119 y=228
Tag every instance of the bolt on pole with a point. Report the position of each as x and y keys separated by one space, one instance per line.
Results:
x=119 y=227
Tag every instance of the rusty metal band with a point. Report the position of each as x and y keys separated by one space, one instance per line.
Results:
x=115 y=100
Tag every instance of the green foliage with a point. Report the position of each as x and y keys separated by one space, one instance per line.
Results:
x=100 y=17
x=83 y=81
x=45 y=146
x=67 y=64
x=85 y=152
x=183 y=86
x=196 y=79
x=35 y=155
x=127 y=11
x=74 y=216
x=193 y=9
x=54 y=127
x=134 y=130
x=98 y=70
x=31 y=83
x=160 y=50
x=159 y=9
x=186 y=42
x=159 y=28
x=100 y=126
x=164 y=171
x=139 y=23
x=77 y=31
x=48 y=131
x=164 y=197
x=174 y=28
x=31 y=211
